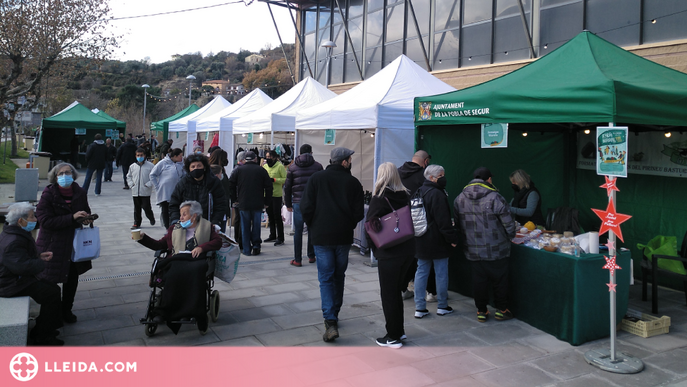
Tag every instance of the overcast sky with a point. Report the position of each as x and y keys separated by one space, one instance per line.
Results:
x=229 y=27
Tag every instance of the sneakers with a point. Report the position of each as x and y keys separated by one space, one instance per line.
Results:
x=125 y=187
x=431 y=297
x=482 y=316
x=408 y=294
x=502 y=315
x=152 y=222
x=386 y=341
x=421 y=313
x=444 y=311
x=312 y=260
x=270 y=239
x=135 y=227
x=403 y=336
x=294 y=263
x=68 y=316
x=278 y=243
x=97 y=194
x=331 y=331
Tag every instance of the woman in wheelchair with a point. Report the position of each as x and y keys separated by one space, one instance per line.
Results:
x=183 y=272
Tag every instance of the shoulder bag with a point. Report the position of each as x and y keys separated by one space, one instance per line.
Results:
x=391 y=229
x=86 y=244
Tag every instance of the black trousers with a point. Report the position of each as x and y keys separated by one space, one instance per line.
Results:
x=142 y=202
x=69 y=288
x=392 y=282
x=164 y=214
x=485 y=273
x=431 y=281
x=236 y=223
x=275 y=221
x=48 y=296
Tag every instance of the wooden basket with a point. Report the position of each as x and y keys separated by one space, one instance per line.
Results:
x=648 y=325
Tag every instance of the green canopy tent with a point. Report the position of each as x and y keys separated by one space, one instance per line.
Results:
x=585 y=83
x=163 y=125
x=58 y=133
x=121 y=125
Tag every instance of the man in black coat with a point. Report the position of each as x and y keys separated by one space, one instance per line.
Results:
x=332 y=205
x=126 y=155
x=111 y=155
x=297 y=177
x=251 y=187
x=96 y=158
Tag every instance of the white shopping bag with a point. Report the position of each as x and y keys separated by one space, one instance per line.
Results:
x=286 y=216
x=227 y=262
x=86 y=244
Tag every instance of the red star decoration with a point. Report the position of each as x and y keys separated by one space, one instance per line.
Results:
x=611 y=265
x=611 y=287
x=610 y=245
x=610 y=185
x=610 y=220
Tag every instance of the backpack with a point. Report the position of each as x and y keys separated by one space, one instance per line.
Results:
x=417 y=212
x=563 y=219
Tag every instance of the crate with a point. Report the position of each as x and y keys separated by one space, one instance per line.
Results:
x=647 y=326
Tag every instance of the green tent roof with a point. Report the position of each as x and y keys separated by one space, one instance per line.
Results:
x=77 y=115
x=160 y=125
x=120 y=124
x=585 y=80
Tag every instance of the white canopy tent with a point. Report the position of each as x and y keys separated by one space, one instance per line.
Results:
x=185 y=127
x=375 y=118
x=221 y=123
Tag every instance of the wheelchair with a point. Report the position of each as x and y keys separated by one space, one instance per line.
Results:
x=157 y=284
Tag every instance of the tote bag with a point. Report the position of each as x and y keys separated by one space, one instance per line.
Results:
x=391 y=229
x=86 y=244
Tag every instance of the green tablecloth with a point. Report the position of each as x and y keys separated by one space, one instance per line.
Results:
x=563 y=295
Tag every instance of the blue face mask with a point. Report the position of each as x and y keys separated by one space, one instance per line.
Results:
x=140 y=159
x=29 y=226
x=185 y=223
x=65 y=180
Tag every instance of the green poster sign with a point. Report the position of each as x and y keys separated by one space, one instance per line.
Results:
x=494 y=135
x=330 y=137
x=611 y=149
x=249 y=138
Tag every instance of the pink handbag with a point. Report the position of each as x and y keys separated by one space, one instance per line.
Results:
x=391 y=229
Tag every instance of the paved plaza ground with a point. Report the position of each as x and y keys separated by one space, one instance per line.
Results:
x=273 y=304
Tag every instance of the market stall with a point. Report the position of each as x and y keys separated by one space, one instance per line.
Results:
x=184 y=129
x=163 y=125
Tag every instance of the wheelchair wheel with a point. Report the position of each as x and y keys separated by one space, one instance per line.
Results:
x=214 y=305
x=150 y=329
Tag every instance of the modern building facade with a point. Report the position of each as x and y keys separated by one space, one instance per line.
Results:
x=466 y=42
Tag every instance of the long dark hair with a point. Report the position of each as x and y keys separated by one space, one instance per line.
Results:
x=175 y=152
x=219 y=157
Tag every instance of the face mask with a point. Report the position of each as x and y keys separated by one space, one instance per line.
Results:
x=65 y=180
x=271 y=162
x=186 y=223
x=197 y=173
x=199 y=153
x=441 y=182
x=29 y=226
x=515 y=187
x=140 y=159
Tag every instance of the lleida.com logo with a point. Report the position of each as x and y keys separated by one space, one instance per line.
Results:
x=24 y=367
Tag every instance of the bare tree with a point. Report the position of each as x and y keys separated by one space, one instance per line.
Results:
x=40 y=36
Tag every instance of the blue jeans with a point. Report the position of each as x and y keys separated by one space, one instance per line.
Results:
x=332 y=262
x=421 y=275
x=250 y=230
x=298 y=235
x=98 y=179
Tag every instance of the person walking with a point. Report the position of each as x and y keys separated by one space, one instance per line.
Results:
x=96 y=159
x=20 y=262
x=235 y=213
x=165 y=148
x=275 y=169
x=250 y=188
x=434 y=246
x=111 y=155
x=141 y=188
x=297 y=177
x=484 y=218
x=332 y=205
x=165 y=176
x=393 y=262
x=63 y=207
x=126 y=155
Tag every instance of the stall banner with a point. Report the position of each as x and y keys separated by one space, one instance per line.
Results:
x=80 y=131
x=494 y=136
x=108 y=133
x=611 y=145
x=330 y=137
x=648 y=153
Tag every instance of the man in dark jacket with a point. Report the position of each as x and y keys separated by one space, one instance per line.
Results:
x=201 y=185
x=111 y=155
x=332 y=205
x=297 y=177
x=251 y=187
x=164 y=149
x=19 y=264
x=126 y=155
x=485 y=221
x=96 y=158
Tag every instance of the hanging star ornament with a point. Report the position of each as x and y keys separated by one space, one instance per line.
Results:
x=611 y=265
x=610 y=185
x=610 y=245
x=610 y=220
x=611 y=287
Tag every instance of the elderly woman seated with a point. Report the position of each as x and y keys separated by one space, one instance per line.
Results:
x=184 y=270
x=19 y=264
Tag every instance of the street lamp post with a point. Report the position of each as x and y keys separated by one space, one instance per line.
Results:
x=190 y=78
x=145 y=100
x=329 y=45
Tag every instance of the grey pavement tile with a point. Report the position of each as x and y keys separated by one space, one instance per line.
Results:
x=306 y=306
x=258 y=313
x=452 y=366
x=461 y=382
x=113 y=322
x=585 y=381
x=505 y=354
x=128 y=334
x=252 y=283
x=564 y=365
x=674 y=361
x=227 y=305
x=289 y=337
x=660 y=343
x=309 y=277
x=360 y=297
x=354 y=340
x=136 y=297
x=328 y=371
x=436 y=323
x=262 y=274
x=243 y=329
x=650 y=376
x=383 y=358
x=400 y=376
x=284 y=288
x=349 y=311
x=85 y=286
x=120 y=290
x=365 y=277
x=311 y=294
x=516 y=376
x=361 y=325
x=249 y=341
x=498 y=332
x=274 y=299
x=445 y=343
x=137 y=309
x=362 y=286
x=547 y=343
x=97 y=302
x=298 y=319
x=620 y=346
x=83 y=340
x=241 y=293
x=130 y=343
x=184 y=339
x=678 y=383
x=84 y=314
x=129 y=269
x=127 y=281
